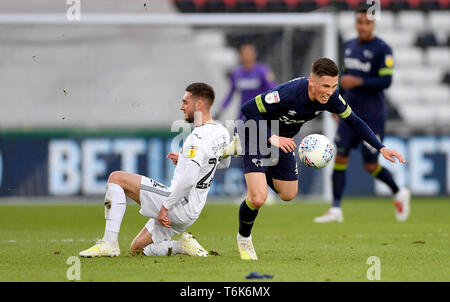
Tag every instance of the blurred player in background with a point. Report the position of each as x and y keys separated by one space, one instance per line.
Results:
x=171 y=209
x=292 y=104
x=250 y=78
x=367 y=71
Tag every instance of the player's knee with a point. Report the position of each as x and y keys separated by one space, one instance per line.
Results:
x=257 y=201
x=136 y=247
x=287 y=196
x=370 y=167
x=116 y=177
x=341 y=159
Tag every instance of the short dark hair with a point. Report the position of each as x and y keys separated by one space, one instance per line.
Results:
x=202 y=90
x=325 y=67
x=362 y=8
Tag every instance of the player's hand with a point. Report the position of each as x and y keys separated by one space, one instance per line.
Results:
x=390 y=154
x=162 y=217
x=174 y=157
x=348 y=81
x=286 y=144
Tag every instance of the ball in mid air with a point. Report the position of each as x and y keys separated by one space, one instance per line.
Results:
x=315 y=151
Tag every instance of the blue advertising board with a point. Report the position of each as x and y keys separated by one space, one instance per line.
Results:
x=79 y=166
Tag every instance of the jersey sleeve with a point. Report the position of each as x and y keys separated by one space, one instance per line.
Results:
x=385 y=69
x=193 y=150
x=278 y=98
x=386 y=62
x=339 y=106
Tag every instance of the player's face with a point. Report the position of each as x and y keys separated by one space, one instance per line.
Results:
x=188 y=107
x=364 y=27
x=323 y=87
x=248 y=55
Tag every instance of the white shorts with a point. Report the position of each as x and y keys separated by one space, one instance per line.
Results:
x=152 y=196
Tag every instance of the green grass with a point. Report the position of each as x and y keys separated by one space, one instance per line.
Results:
x=36 y=240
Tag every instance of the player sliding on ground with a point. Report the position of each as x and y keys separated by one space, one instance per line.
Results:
x=291 y=104
x=171 y=209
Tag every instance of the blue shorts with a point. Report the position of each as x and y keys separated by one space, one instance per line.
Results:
x=347 y=139
x=283 y=167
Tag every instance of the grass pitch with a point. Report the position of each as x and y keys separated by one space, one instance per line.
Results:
x=36 y=241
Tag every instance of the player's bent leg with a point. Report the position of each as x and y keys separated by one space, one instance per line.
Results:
x=142 y=239
x=120 y=184
x=257 y=194
x=257 y=189
x=286 y=189
x=129 y=182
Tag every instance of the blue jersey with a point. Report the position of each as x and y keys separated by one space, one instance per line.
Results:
x=290 y=104
x=373 y=62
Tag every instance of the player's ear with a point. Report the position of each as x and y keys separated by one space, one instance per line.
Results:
x=311 y=80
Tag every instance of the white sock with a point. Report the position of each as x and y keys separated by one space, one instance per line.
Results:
x=162 y=248
x=240 y=237
x=115 y=206
x=336 y=210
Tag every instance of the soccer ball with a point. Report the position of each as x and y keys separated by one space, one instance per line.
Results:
x=315 y=151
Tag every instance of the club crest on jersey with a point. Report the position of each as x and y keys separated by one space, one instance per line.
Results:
x=272 y=97
x=192 y=151
x=292 y=112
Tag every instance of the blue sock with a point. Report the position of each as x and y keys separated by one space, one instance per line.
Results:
x=385 y=176
x=247 y=216
x=339 y=179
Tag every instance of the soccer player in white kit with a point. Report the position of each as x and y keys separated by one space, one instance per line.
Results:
x=171 y=209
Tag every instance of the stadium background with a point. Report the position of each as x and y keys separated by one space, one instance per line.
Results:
x=81 y=100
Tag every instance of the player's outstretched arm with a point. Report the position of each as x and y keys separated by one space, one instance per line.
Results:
x=390 y=154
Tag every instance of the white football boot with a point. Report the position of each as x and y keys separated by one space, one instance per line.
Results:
x=191 y=247
x=334 y=214
x=402 y=204
x=234 y=148
x=101 y=249
x=246 y=249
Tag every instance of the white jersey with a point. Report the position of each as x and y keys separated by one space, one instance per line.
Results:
x=204 y=146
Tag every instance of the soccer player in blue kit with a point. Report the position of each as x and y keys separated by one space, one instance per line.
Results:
x=368 y=68
x=291 y=104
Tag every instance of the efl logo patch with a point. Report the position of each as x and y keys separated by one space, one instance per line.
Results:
x=192 y=151
x=272 y=97
x=389 y=60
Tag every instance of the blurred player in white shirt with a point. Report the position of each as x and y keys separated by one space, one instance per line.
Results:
x=171 y=209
